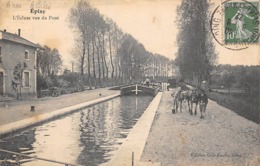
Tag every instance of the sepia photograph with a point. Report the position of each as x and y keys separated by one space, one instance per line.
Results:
x=129 y=83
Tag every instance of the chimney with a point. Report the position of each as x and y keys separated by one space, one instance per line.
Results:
x=19 y=32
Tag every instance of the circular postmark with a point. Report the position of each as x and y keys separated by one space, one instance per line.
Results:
x=235 y=24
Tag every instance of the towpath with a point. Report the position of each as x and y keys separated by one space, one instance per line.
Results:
x=13 y=111
x=222 y=138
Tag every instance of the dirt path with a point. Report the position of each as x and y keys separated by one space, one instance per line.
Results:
x=18 y=110
x=222 y=138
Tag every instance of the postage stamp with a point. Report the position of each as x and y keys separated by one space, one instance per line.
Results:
x=241 y=22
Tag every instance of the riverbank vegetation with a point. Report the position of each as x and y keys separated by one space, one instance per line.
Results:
x=237 y=88
x=243 y=104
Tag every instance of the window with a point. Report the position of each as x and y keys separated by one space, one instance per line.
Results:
x=26 y=79
x=26 y=55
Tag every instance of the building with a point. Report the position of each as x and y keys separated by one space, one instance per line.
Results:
x=17 y=66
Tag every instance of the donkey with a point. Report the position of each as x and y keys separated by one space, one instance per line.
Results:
x=178 y=99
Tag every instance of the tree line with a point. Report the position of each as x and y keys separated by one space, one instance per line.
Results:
x=105 y=55
x=239 y=76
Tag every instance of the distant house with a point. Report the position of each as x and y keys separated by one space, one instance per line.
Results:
x=17 y=66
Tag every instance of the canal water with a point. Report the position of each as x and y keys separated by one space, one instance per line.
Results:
x=88 y=137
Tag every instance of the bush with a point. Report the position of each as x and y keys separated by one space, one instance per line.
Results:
x=41 y=83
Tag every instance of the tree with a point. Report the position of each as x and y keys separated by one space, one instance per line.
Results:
x=42 y=61
x=251 y=81
x=49 y=62
x=48 y=66
x=111 y=28
x=55 y=62
x=115 y=39
x=229 y=80
x=196 y=52
x=80 y=18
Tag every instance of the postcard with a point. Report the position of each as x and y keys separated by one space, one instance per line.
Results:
x=129 y=82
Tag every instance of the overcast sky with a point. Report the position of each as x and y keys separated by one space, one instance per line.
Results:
x=151 y=22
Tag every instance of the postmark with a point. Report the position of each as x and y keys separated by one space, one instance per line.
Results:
x=235 y=24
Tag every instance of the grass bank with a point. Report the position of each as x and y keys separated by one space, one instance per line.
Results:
x=246 y=105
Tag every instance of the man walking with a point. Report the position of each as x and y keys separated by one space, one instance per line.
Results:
x=203 y=101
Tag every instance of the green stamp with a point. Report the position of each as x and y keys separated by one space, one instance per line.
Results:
x=241 y=22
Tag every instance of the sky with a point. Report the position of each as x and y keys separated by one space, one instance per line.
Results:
x=151 y=22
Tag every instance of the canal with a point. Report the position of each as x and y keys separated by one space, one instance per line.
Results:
x=88 y=137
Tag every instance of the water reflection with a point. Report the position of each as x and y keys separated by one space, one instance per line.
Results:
x=88 y=137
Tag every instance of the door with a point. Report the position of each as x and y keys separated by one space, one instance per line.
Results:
x=1 y=83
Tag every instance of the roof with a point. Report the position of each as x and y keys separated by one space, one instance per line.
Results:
x=16 y=38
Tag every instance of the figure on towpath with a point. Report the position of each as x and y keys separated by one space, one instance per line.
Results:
x=177 y=101
x=203 y=101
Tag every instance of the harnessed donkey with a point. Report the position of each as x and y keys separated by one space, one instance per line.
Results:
x=179 y=98
x=191 y=97
x=193 y=100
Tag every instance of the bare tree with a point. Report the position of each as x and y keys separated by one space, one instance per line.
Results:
x=80 y=20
